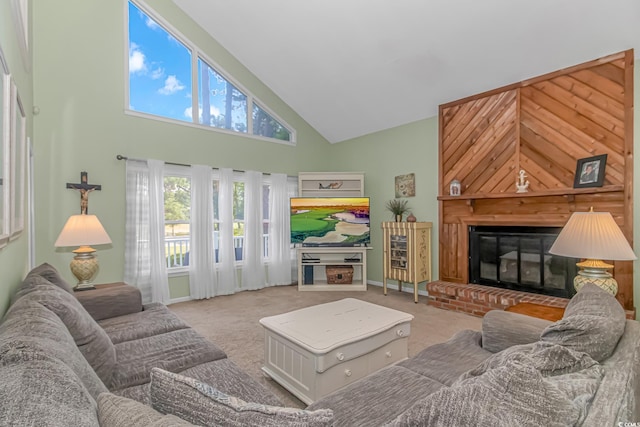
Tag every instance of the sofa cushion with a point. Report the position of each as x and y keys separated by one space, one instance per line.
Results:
x=173 y=351
x=510 y=395
x=436 y=362
x=593 y=323
x=227 y=377
x=380 y=396
x=37 y=389
x=49 y=273
x=204 y=405
x=155 y=319
x=117 y=411
x=502 y=329
x=222 y=374
x=29 y=327
x=91 y=339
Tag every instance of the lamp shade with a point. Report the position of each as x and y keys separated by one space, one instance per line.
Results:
x=82 y=230
x=592 y=235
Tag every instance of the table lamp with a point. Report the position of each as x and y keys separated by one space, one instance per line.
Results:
x=83 y=230
x=593 y=236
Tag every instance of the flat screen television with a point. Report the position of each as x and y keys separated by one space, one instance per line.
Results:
x=330 y=221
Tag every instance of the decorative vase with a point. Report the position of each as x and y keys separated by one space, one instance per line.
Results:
x=411 y=218
x=399 y=218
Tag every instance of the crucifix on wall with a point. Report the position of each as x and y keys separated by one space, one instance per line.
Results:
x=84 y=188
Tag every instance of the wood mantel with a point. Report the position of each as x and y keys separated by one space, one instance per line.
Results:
x=542 y=125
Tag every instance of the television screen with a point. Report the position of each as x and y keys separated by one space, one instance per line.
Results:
x=330 y=221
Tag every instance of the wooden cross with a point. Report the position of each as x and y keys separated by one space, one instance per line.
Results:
x=84 y=188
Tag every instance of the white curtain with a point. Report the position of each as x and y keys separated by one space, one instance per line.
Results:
x=227 y=258
x=279 y=267
x=202 y=275
x=253 y=274
x=145 y=264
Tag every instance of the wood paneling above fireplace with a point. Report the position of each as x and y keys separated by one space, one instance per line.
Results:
x=542 y=125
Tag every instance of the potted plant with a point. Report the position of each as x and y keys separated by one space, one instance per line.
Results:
x=398 y=207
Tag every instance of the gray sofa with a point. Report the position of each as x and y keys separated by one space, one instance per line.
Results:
x=61 y=367
x=519 y=371
x=142 y=366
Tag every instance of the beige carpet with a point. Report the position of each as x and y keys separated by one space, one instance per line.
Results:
x=232 y=322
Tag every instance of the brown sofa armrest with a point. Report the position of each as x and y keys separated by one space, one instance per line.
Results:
x=110 y=300
x=503 y=329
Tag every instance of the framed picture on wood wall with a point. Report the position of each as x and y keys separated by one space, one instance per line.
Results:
x=590 y=172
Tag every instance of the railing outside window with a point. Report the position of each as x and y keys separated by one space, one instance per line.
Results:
x=177 y=249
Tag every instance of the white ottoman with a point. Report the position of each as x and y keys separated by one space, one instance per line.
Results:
x=316 y=350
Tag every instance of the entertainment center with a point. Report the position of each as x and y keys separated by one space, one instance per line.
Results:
x=330 y=223
x=313 y=263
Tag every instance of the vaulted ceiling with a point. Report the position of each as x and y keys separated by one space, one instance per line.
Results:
x=354 y=67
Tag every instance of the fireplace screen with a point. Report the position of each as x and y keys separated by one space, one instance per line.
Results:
x=518 y=258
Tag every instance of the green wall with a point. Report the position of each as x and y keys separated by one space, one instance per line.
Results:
x=14 y=258
x=411 y=148
x=79 y=81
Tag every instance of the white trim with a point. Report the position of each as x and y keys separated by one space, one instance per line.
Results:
x=125 y=38
x=21 y=22
x=177 y=300
x=18 y=162
x=196 y=54
x=142 y=115
x=31 y=223
x=5 y=152
x=3 y=62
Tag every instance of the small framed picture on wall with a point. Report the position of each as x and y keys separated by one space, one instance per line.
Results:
x=590 y=172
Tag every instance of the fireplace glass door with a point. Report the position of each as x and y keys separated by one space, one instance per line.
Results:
x=518 y=258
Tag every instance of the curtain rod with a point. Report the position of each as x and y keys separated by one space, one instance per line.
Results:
x=121 y=157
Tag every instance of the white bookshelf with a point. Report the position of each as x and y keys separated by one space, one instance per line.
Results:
x=331 y=184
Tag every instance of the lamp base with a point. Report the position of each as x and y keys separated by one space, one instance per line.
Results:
x=595 y=272
x=84 y=267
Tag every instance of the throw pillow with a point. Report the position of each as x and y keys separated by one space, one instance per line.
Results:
x=514 y=394
x=52 y=275
x=593 y=323
x=118 y=411
x=204 y=405
x=91 y=339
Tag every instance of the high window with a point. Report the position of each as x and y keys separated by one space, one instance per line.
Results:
x=160 y=70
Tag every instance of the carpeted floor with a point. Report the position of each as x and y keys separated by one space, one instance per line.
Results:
x=232 y=322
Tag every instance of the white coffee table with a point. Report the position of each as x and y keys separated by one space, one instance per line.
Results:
x=316 y=350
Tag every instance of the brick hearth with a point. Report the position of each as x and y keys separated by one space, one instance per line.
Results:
x=478 y=299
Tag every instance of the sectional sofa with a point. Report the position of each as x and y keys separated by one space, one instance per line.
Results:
x=140 y=365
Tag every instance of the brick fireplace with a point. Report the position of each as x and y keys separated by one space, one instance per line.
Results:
x=543 y=126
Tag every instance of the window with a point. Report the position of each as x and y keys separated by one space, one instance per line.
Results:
x=160 y=83
x=177 y=216
x=222 y=104
x=265 y=125
x=238 y=218
x=159 y=69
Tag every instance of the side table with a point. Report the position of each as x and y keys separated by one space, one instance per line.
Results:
x=110 y=300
